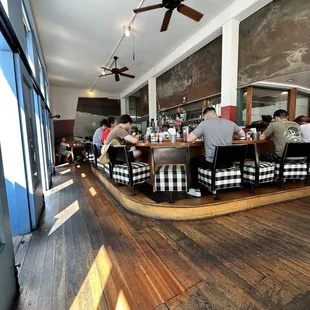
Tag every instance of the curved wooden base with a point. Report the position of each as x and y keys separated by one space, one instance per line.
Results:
x=193 y=209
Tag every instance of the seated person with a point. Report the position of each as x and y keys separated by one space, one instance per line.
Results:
x=215 y=131
x=111 y=123
x=304 y=123
x=63 y=150
x=98 y=134
x=281 y=131
x=263 y=123
x=122 y=135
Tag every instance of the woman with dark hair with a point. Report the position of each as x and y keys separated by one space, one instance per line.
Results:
x=111 y=123
x=303 y=121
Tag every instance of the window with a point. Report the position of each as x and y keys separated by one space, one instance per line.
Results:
x=302 y=105
x=264 y=102
x=42 y=83
x=31 y=134
x=28 y=38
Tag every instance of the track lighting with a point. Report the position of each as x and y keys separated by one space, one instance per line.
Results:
x=127 y=30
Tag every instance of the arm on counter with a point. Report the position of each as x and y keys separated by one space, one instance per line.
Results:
x=131 y=139
x=191 y=137
x=267 y=133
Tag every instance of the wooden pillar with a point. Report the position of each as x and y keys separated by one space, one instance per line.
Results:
x=249 y=106
x=292 y=104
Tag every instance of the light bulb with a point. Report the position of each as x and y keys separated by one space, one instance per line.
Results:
x=103 y=72
x=127 y=31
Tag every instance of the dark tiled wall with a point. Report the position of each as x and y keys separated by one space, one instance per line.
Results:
x=197 y=76
x=275 y=41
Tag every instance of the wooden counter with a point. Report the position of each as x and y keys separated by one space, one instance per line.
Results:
x=196 y=143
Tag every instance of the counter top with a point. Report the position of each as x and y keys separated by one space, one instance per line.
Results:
x=196 y=143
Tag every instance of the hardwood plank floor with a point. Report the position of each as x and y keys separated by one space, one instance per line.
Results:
x=90 y=253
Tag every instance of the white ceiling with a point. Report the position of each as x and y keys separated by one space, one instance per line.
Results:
x=301 y=79
x=78 y=36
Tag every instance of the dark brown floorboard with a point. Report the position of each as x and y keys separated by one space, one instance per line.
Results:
x=103 y=257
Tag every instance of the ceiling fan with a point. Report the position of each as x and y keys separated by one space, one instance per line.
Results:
x=171 y=5
x=116 y=71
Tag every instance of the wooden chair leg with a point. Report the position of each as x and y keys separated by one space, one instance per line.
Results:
x=171 y=199
x=133 y=191
x=252 y=189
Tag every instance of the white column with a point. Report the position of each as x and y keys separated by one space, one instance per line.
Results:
x=230 y=55
x=124 y=106
x=152 y=99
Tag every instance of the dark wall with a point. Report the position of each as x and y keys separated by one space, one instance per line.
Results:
x=63 y=128
x=275 y=41
x=197 y=76
x=144 y=100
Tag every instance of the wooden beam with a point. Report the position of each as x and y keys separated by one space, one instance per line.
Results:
x=249 y=106
x=292 y=104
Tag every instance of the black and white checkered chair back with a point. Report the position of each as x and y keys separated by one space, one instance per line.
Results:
x=256 y=172
x=294 y=163
x=88 y=147
x=170 y=168
x=125 y=172
x=220 y=177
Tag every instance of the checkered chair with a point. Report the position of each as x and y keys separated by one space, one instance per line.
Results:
x=105 y=168
x=124 y=171
x=294 y=164
x=171 y=169
x=257 y=172
x=89 y=150
x=219 y=177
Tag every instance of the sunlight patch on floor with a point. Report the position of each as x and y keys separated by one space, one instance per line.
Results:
x=63 y=165
x=92 y=191
x=65 y=171
x=58 y=188
x=122 y=303
x=64 y=215
x=96 y=281
x=83 y=175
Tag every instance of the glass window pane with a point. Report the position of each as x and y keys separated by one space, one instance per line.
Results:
x=265 y=102
x=31 y=134
x=302 y=105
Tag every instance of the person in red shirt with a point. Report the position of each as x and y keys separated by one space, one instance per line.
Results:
x=111 y=123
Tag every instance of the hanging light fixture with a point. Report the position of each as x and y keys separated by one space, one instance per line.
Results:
x=127 y=31
x=103 y=72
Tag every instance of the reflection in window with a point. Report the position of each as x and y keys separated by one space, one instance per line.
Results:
x=302 y=105
x=30 y=124
x=265 y=102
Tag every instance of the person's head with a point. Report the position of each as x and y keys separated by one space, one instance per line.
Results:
x=134 y=131
x=63 y=139
x=125 y=121
x=103 y=123
x=112 y=122
x=209 y=113
x=86 y=138
x=280 y=115
x=302 y=120
x=266 y=118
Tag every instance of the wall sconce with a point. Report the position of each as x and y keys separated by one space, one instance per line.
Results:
x=55 y=116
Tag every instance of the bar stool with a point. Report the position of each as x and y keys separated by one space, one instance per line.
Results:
x=257 y=172
x=124 y=171
x=219 y=178
x=170 y=169
x=294 y=164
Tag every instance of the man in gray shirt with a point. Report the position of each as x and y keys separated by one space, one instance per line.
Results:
x=98 y=134
x=215 y=131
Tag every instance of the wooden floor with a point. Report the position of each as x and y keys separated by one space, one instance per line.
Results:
x=100 y=256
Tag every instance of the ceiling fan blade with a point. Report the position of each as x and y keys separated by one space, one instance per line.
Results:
x=189 y=12
x=149 y=8
x=166 y=21
x=116 y=77
x=123 y=69
x=106 y=69
x=127 y=75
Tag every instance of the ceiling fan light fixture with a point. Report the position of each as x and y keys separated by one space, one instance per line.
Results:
x=127 y=31
x=103 y=72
